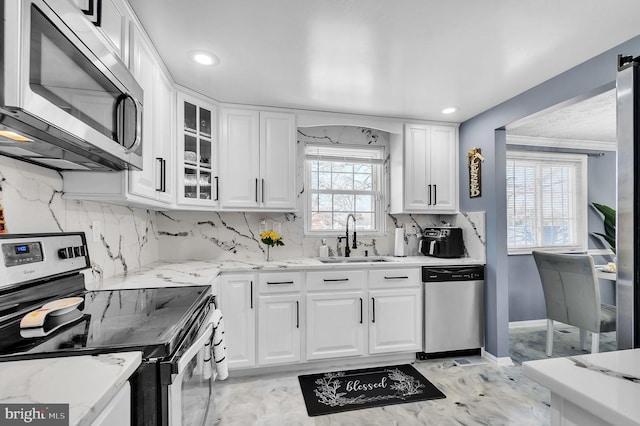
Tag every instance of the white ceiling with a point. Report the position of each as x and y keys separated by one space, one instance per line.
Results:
x=402 y=58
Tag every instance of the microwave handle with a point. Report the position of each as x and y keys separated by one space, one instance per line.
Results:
x=120 y=122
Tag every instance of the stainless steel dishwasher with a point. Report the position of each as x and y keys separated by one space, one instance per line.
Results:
x=453 y=308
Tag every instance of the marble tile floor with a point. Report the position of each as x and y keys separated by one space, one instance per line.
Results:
x=476 y=394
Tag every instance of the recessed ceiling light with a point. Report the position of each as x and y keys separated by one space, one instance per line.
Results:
x=205 y=58
x=449 y=110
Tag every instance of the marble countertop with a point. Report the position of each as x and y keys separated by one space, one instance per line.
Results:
x=203 y=272
x=605 y=384
x=86 y=383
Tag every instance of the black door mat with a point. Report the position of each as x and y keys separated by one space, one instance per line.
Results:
x=334 y=392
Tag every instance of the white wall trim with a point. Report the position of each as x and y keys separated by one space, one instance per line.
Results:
x=504 y=361
x=561 y=143
x=530 y=323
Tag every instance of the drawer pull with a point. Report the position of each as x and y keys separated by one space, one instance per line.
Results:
x=335 y=280
x=360 y=310
x=279 y=282
x=396 y=278
x=297 y=314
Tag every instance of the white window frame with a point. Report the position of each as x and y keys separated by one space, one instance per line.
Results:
x=379 y=185
x=580 y=204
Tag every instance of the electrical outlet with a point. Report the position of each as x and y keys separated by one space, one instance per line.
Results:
x=96 y=228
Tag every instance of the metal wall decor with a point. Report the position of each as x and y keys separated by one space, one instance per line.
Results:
x=475 y=159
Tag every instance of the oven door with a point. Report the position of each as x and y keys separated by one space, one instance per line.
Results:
x=189 y=394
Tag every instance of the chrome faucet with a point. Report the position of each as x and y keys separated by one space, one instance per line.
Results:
x=347 y=250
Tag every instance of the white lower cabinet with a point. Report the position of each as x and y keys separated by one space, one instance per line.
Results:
x=320 y=315
x=118 y=410
x=395 y=323
x=236 y=300
x=335 y=325
x=278 y=329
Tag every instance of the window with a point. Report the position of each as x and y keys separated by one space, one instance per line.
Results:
x=340 y=181
x=546 y=201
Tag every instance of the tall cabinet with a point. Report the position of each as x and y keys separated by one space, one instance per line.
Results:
x=257 y=160
x=424 y=170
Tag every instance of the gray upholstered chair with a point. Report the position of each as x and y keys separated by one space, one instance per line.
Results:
x=572 y=296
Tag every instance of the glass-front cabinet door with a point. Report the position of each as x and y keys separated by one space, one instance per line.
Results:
x=198 y=152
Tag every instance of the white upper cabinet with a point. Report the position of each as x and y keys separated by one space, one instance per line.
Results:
x=424 y=170
x=257 y=160
x=143 y=67
x=278 y=160
x=111 y=18
x=165 y=143
x=240 y=158
x=198 y=178
x=156 y=179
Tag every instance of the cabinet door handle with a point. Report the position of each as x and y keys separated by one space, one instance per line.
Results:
x=335 y=280
x=256 y=190
x=164 y=175
x=297 y=314
x=435 y=194
x=373 y=311
x=160 y=177
x=251 y=296
x=361 y=310
x=429 y=194
x=217 y=189
x=279 y=282
x=396 y=278
x=262 y=190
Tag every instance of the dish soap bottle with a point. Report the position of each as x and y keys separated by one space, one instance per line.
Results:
x=324 y=249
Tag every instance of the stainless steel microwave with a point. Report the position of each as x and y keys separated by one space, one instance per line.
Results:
x=68 y=101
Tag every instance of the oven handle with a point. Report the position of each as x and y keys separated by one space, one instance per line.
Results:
x=196 y=347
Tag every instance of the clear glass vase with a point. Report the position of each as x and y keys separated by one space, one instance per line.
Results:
x=267 y=254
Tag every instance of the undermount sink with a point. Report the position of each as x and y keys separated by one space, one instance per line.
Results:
x=353 y=259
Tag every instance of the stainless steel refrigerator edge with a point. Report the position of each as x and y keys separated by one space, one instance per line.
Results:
x=628 y=205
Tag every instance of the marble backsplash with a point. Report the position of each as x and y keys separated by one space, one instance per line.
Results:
x=236 y=236
x=125 y=238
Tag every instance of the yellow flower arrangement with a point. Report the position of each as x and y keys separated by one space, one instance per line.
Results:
x=271 y=238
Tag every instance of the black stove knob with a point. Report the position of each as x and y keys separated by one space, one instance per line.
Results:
x=66 y=253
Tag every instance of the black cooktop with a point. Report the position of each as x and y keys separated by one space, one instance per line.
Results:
x=152 y=320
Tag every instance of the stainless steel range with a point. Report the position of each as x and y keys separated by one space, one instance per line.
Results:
x=170 y=325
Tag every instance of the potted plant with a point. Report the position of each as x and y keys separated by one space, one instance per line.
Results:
x=609 y=217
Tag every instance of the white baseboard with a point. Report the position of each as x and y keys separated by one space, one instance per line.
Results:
x=504 y=361
x=530 y=323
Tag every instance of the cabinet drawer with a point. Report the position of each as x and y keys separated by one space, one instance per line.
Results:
x=279 y=282
x=409 y=277
x=335 y=280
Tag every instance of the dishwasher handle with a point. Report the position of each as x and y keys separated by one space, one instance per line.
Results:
x=454 y=273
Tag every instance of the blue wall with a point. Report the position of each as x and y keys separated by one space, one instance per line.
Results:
x=582 y=81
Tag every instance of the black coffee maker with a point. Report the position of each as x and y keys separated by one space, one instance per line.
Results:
x=442 y=242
